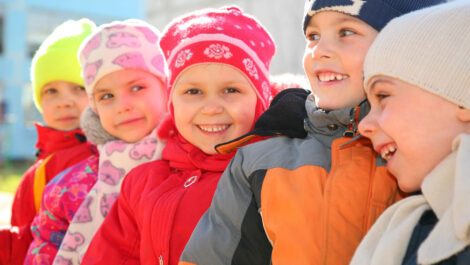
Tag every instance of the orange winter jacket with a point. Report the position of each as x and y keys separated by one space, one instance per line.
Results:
x=295 y=201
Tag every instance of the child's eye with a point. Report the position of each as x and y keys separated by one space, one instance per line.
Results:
x=193 y=91
x=136 y=88
x=50 y=91
x=381 y=96
x=312 y=36
x=79 y=89
x=346 y=32
x=229 y=90
x=106 y=96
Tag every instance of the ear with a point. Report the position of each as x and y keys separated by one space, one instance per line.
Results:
x=463 y=114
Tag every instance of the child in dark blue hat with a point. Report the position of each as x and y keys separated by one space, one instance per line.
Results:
x=308 y=201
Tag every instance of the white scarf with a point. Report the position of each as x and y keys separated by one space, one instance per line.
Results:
x=446 y=190
x=117 y=158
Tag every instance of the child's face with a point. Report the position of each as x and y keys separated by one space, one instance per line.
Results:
x=130 y=103
x=62 y=104
x=411 y=128
x=335 y=52
x=213 y=103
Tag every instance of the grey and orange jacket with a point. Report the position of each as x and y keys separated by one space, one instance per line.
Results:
x=296 y=201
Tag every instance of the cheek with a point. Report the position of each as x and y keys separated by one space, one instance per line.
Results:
x=153 y=109
x=82 y=103
x=354 y=56
x=307 y=63
x=48 y=103
x=47 y=114
x=106 y=118
x=180 y=114
x=244 y=115
x=356 y=64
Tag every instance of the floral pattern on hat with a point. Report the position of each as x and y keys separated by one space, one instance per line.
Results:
x=217 y=51
x=183 y=56
x=251 y=68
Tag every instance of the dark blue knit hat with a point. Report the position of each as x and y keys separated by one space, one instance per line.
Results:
x=376 y=13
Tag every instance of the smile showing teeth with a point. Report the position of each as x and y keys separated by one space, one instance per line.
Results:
x=213 y=128
x=327 y=77
x=388 y=151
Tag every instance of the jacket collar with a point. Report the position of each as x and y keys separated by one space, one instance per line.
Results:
x=327 y=125
x=184 y=156
x=51 y=140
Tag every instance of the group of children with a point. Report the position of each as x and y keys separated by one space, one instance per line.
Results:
x=370 y=167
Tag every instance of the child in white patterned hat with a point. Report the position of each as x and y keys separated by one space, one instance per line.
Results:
x=124 y=73
x=418 y=84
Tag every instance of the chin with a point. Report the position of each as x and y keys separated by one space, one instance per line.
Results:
x=407 y=186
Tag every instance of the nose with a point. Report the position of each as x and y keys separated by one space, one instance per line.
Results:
x=212 y=106
x=65 y=101
x=322 y=49
x=124 y=103
x=368 y=125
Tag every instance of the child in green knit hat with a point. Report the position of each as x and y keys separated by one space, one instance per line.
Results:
x=58 y=90
x=59 y=95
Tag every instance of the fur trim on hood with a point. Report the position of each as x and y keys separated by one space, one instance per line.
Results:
x=91 y=126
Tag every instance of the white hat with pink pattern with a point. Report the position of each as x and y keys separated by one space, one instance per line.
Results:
x=129 y=44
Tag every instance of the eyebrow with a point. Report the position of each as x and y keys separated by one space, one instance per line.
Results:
x=198 y=83
x=137 y=80
x=128 y=83
x=100 y=90
x=344 y=19
x=378 y=81
x=349 y=19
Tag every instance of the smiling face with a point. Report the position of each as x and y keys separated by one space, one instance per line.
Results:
x=213 y=103
x=130 y=103
x=333 y=59
x=411 y=128
x=62 y=104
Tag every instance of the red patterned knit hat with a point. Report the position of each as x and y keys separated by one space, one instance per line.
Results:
x=226 y=36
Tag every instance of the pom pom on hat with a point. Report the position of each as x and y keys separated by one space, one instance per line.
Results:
x=56 y=59
x=376 y=13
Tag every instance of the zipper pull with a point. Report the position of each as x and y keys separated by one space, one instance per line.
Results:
x=160 y=260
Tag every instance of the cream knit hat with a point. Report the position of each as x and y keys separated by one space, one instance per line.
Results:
x=128 y=44
x=429 y=48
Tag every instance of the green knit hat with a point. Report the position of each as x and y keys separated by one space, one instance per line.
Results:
x=56 y=59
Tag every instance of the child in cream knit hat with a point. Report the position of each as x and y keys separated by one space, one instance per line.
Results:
x=417 y=79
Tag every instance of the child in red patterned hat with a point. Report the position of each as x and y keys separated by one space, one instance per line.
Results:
x=218 y=85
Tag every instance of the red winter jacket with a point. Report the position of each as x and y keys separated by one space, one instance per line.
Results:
x=56 y=151
x=159 y=206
